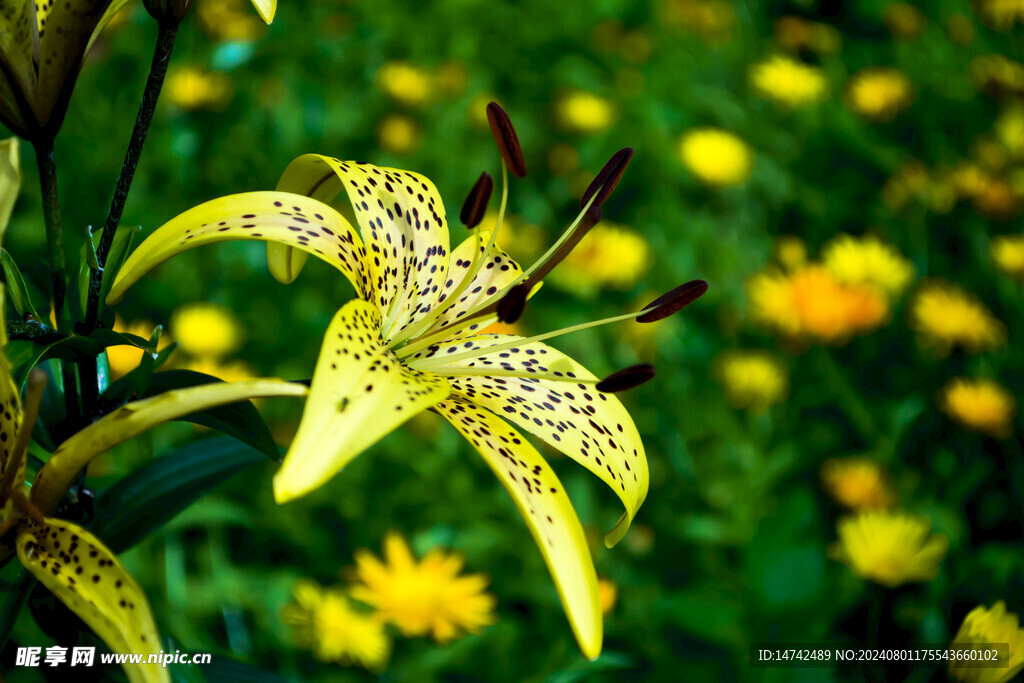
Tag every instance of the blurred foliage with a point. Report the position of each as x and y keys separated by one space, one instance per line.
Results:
x=731 y=545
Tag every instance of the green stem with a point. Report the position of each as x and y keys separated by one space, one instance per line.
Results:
x=33 y=331
x=166 y=35
x=849 y=398
x=54 y=237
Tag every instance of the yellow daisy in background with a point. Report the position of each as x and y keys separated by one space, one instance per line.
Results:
x=857 y=483
x=712 y=20
x=1001 y=14
x=426 y=597
x=610 y=256
x=790 y=252
x=204 y=329
x=585 y=113
x=788 y=82
x=399 y=134
x=904 y=21
x=981 y=405
x=812 y=303
x=989 y=626
x=794 y=34
x=1008 y=254
x=751 y=379
x=325 y=622
x=716 y=157
x=1009 y=130
x=889 y=548
x=946 y=316
x=192 y=88
x=879 y=93
x=995 y=75
x=609 y=594
x=868 y=261
x=405 y=83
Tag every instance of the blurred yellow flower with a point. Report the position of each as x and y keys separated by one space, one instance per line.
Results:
x=788 y=82
x=610 y=255
x=204 y=329
x=583 y=112
x=451 y=78
x=1001 y=14
x=751 y=379
x=794 y=34
x=1009 y=130
x=1008 y=254
x=890 y=548
x=981 y=405
x=398 y=134
x=911 y=181
x=989 y=626
x=879 y=93
x=424 y=598
x=960 y=30
x=716 y=157
x=904 y=21
x=229 y=20
x=405 y=83
x=790 y=252
x=608 y=593
x=857 y=483
x=224 y=370
x=995 y=75
x=946 y=316
x=811 y=302
x=867 y=261
x=124 y=359
x=192 y=89
x=710 y=19
x=324 y=621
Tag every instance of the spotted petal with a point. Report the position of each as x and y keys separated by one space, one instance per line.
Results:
x=87 y=577
x=589 y=426
x=404 y=226
x=132 y=419
x=360 y=392
x=544 y=505
x=66 y=29
x=10 y=413
x=291 y=219
x=19 y=46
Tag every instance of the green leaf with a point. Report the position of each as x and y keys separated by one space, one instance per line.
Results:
x=119 y=250
x=71 y=348
x=151 y=496
x=17 y=290
x=240 y=420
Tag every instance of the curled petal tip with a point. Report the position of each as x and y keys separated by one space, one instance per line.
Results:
x=672 y=302
x=506 y=139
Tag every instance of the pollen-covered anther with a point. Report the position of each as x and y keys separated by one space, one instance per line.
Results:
x=506 y=139
x=511 y=306
x=607 y=179
x=626 y=378
x=475 y=206
x=673 y=302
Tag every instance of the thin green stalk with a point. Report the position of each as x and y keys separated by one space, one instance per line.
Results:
x=168 y=31
x=54 y=237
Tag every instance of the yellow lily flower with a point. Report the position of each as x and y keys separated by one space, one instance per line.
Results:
x=42 y=45
x=69 y=560
x=410 y=342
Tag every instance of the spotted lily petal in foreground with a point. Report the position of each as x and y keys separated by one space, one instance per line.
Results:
x=77 y=568
x=412 y=342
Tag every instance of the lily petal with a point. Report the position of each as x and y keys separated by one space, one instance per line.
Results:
x=10 y=181
x=496 y=272
x=19 y=47
x=10 y=414
x=132 y=419
x=360 y=392
x=66 y=30
x=544 y=505
x=591 y=427
x=87 y=577
x=283 y=217
x=266 y=8
x=403 y=223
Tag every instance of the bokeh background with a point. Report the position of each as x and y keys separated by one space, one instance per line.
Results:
x=847 y=176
